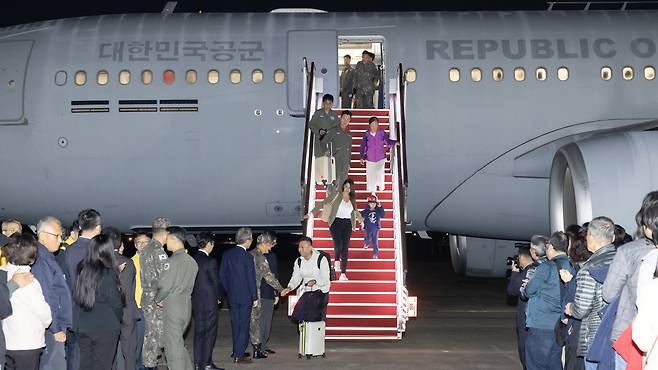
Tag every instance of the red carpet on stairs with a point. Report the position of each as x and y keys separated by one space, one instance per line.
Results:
x=365 y=307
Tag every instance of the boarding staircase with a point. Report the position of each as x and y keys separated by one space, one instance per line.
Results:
x=373 y=305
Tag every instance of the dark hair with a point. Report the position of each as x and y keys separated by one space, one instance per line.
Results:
x=98 y=262
x=88 y=219
x=75 y=226
x=21 y=250
x=346 y=113
x=373 y=119
x=306 y=239
x=352 y=190
x=539 y=243
x=572 y=231
x=559 y=241
x=524 y=251
x=620 y=236
x=204 y=238
x=647 y=202
x=578 y=251
x=328 y=97
x=347 y=56
x=178 y=232
x=650 y=217
x=115 y=236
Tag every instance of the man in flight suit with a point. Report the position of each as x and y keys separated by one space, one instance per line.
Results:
x=265 y=243
x=341 y=144
x=323 y=121
x=346 y=84
x=153 y=260
x=175 y=295
x=366 y=80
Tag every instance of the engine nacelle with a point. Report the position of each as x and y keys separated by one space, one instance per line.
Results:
x=603 y=176
x=480 y=257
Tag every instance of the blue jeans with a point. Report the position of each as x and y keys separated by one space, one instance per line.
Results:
x=53 y=356
x=371 y=238
x=591 y=365
x=620 y=363
x=542 y=351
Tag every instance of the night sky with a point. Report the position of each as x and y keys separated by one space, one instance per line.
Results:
x=17 y=12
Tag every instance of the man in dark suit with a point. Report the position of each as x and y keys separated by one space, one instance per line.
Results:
x=89 y=221
x=205 y=298
x=238 y=277
x=513 y=287
x=126 y=356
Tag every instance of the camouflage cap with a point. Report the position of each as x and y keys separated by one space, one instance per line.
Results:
x=161 y=223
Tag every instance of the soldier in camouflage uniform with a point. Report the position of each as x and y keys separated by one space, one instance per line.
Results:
x=153 y=261
x=366 y=80
x=265 y=243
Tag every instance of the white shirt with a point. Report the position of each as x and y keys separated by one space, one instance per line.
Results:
x=647 y=268
x=206 y=252
x=24 y=329
x=345 y=210
x=309 y=271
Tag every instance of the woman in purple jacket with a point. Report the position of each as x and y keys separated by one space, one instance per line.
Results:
x=373 y=154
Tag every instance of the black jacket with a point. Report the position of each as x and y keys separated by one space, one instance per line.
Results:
x=127 y=280
x=207 y=290
x=106 y=314
x=513 y=288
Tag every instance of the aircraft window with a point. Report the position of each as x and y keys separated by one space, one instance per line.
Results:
x=476 y=74
x=649 y=73
x=410 y=75
x=540 y=74
x=124 y=77
x=562 y=74
x=213 y=76
x=190 y=77
x=497 y=74
x=147 y=77
x=236 y=76
x=627 y=73
x=606 y=73
x=257 y=76
x=102 y=77
x=60 y=78
x=279 y=76
x=454 y=74
x=519 y=74
x=169 y=76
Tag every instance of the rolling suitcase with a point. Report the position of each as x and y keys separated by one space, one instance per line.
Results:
x=311 y=339
x=325 y=169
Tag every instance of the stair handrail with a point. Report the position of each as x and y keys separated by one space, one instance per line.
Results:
x=402 y=86
x=396 y=124
x=307 y=153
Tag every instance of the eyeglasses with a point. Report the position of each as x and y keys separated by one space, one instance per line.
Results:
x=58 y=236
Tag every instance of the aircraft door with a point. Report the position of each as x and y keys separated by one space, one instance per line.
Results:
x=14 y=57
x=320 y=47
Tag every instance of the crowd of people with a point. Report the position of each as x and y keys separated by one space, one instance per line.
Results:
x=358 y=84
x=83 y=305
x=587 y=296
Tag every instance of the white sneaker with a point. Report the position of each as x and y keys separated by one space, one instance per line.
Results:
x=365 y=246
x=343 y=277
x=337 y=265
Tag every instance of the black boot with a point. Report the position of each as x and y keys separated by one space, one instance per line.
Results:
x=257 y=352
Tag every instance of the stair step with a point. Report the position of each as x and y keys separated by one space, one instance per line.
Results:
x=370 y=275
x=359 y=330
x=361 y=186
x=325 y=233
x=386 y=222
x=362 y=286
x=362 y=310
x=371 y=264
x=362 y=338
x=360 y=194
x=361 y=320
x=361 y=253
x=383 y=120
x=362 y=297
x=365 y=112
x=385 y=244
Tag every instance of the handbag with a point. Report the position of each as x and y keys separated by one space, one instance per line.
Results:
x=327 y=208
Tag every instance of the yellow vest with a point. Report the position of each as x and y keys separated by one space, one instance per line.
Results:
x=138 y=280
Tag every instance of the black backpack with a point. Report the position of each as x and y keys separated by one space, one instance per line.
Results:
x=332 y=271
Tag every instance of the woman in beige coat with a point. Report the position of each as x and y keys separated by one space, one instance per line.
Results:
x=645 y=326
x=341 y=213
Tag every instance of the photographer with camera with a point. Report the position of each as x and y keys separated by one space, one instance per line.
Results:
x=520 y=266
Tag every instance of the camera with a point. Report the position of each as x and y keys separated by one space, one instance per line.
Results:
x=514 y=260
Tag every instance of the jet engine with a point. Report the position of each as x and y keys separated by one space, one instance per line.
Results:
x=603 y=176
